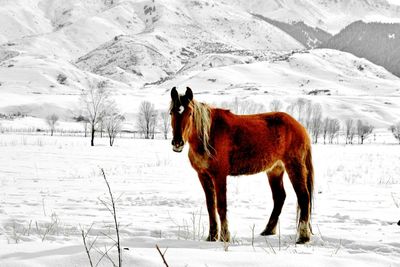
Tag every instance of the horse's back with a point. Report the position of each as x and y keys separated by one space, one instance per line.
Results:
x=258 y=141
x=290 y=128
x=278 y=128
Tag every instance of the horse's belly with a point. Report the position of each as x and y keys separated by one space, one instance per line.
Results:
x=246 y=167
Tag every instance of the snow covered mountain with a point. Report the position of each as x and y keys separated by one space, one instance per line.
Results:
x=329 y=15
x=377 y=42
x=308 y=36
x=144 y=47
x=346 y=86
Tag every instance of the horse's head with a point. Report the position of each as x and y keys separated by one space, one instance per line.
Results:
x=181 y=118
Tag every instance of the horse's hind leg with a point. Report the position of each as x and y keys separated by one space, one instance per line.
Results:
x=220 y=190
x=298 y=176
x=209 y=191
x=275 y=178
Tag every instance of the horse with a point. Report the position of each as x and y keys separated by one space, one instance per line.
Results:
x=222 y=143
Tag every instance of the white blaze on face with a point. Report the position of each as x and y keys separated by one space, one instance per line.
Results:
x=181 y=109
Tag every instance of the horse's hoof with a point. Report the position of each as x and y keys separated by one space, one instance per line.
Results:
x=268 y=232
x=225 y=236
x=303 y=240
x=211 y=239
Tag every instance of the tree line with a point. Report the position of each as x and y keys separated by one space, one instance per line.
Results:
x=310 y=115
x=100 y=114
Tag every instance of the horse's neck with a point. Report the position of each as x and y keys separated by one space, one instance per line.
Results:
x=196 y=140
x=218 y=116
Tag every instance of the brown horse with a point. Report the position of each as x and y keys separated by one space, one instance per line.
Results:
x=222 y=143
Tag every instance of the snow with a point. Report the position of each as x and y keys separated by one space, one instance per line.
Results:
x=31 y=84
x=46 y=179
x=143 y=48
x=356 y=87
x=329 y=15
x=216 y=47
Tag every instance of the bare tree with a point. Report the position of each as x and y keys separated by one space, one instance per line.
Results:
x=308 y=115
x=165 y=123
x=325 y=128
x=244 y=106
x=333 y=129
x=101 y=126
x=113 y=122
x=276 y=105
x=85 y=122
x=147 y=119
x=316 y=121
x=395 y=129
x=363 y=131
x=349 y=130
x=296 y=109
x=252 y=107
x=95 y=100
x=52 y=121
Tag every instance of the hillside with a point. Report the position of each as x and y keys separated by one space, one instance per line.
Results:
x=144 y=47
x=346 y=86
x=199 y=28
x=308 y=36
x=329 y=15
x=377 y=42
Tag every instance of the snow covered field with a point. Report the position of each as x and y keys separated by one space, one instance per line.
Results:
x=50 y=186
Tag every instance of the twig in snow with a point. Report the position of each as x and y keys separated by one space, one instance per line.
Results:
x=252 y=235
x=86 y=247
x=270 y=246
x=105 y=254
x=320 y=234
x=337 y=250
x=279 y=236
x=110 y=206
x=162 y=255
x=395 y=201
x=114 y=214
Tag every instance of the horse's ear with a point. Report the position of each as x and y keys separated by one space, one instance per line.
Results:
x=174 y=93
x=189 y=94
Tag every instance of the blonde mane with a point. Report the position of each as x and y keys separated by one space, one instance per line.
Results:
x=202 y=123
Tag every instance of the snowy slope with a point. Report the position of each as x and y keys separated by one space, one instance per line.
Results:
x=21 y=18
x=199 y=28
x=127 y=41
x=330 y=15
x=377 y=42
x=193 y=23
x=83 y=33
x=145 y=47
x=55 y=181
x=30 y=84
x=346 y=86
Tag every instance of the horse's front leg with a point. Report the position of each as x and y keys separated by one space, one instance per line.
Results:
x=209 y=190
x=220 y=190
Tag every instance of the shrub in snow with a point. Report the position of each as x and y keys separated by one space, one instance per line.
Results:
x=395 y=129
x=61 y=78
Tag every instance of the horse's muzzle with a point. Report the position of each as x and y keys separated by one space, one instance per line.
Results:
x=177 y=146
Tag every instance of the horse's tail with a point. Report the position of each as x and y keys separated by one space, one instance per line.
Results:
x=310 y=178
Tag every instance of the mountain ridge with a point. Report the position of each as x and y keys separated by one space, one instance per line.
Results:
x=144 y=47
x=378 y=42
